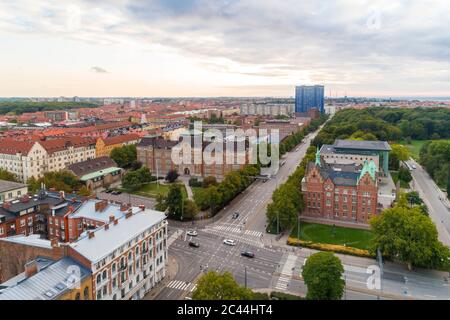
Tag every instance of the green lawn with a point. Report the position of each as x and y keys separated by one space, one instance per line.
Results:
x=414 y=147
x=322 y=233
x=152 y=190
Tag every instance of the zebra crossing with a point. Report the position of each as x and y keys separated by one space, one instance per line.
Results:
x=182 y=285
x=286 y=273
x=236 y=233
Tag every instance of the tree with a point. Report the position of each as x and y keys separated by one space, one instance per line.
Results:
x=131 y=181
x=404 y=175
x=172 y=176
x=190 y=209
x=59 y=180
x=161 y=204
x=209 y=181
x=174 y=202
x=215 y=286
x=84 y=191
x=125 y=156
x=6 y=175
x=322 y=274
x=406 y=234
x=398 y=153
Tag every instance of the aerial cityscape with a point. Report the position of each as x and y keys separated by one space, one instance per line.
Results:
x=210 y=150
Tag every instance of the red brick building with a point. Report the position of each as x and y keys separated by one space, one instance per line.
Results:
x=344 y=192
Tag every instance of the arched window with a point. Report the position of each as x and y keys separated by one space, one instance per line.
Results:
x=86 y=293
x=104 y=275
x=113 y=268
x=99 y=279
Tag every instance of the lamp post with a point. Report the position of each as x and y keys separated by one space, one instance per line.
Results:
x=245 y=275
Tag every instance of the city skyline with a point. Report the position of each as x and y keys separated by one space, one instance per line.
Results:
x=226 y=48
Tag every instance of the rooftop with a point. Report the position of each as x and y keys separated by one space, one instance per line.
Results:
x=33 y=240
x=91 y=165
x=10 y=185
x=49 y=283
x=87 y=211
x=106 y=241
x=362 y=145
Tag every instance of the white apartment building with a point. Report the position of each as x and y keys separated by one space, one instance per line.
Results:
x=126 y=256
x=28 y=159
x=267 y=109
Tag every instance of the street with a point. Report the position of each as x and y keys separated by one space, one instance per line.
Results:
x=430 y=193
x=277 y=266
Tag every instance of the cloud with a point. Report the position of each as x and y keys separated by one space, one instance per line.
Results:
x=96 y=69
x=342 y=43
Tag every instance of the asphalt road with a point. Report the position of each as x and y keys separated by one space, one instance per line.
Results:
x=434 y=199
x=277 y=266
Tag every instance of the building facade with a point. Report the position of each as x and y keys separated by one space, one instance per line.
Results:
x=104 y=146
x=28 y=159
x=308 y=97
x=10 y=190
x=341 y=192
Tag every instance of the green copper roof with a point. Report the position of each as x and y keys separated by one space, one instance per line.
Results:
x=368 y=168
x=318 y=157
x=99 y=173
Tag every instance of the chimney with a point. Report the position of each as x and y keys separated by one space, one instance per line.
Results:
x=91 y=234
x=31 y=268
x=101 y=205
x=61 y=194
x=116 y=222
x=54 y=242
x=106 y=226
x=123 y=207
x=142 y=207
x=129 y=213
x=6 y=205
x=111 y=219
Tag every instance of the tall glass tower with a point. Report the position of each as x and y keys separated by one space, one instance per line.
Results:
x=307 y=97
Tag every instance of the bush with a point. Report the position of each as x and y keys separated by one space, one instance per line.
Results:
x=172 y=176
x=330 y=247
x=274 y=295
x=193 y=182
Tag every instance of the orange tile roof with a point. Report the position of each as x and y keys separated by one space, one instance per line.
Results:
x=13 y=146
x=55 y=145
x=120 y=139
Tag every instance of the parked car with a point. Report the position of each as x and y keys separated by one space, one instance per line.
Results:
x=229 y=242
x=194 y=244
x=192 y=233
x=247 y=254
x=235 y=215
x=116 y=192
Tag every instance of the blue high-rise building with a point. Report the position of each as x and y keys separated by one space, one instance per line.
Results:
x=307 y=97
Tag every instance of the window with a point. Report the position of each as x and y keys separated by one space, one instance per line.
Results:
x=86 y=293
x=113 y=268
x=99 y=279
x=104 y=275
x=77 y=296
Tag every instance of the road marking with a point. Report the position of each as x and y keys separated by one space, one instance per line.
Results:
x=180 y=285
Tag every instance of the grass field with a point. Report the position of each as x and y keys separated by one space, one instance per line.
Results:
x=322 y=233
x=152 y=190
x=414 y=147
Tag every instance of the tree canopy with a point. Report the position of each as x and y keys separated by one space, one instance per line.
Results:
x=125 y=156
x=6 y=175
x=322 y=274
x=216 y=286
x=404 y=233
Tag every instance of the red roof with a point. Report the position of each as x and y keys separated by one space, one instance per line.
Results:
x=120 y=139
x=55 y=145
x=13 y=146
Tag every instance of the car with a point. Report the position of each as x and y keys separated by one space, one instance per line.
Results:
x=229 y=242
x=192 y=233
x=414 y=166
x=235 y=215
x=247 y=254
x=194 y=244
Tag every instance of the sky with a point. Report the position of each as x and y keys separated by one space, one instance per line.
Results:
x=175 y=48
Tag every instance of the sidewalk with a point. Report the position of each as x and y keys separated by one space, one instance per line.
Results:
x=171 y=272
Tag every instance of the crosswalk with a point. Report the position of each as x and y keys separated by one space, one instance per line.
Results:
x=286 y=273
x=250 y=237
x=182 y=285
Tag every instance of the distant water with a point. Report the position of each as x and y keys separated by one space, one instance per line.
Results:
x=440 y=99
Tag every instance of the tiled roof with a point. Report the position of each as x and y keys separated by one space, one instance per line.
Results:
x=55 y=145
x=91 y=165
x=13 y=146
x=120 y=139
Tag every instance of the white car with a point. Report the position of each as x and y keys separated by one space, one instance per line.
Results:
x=229 y=242
x=192 y=233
